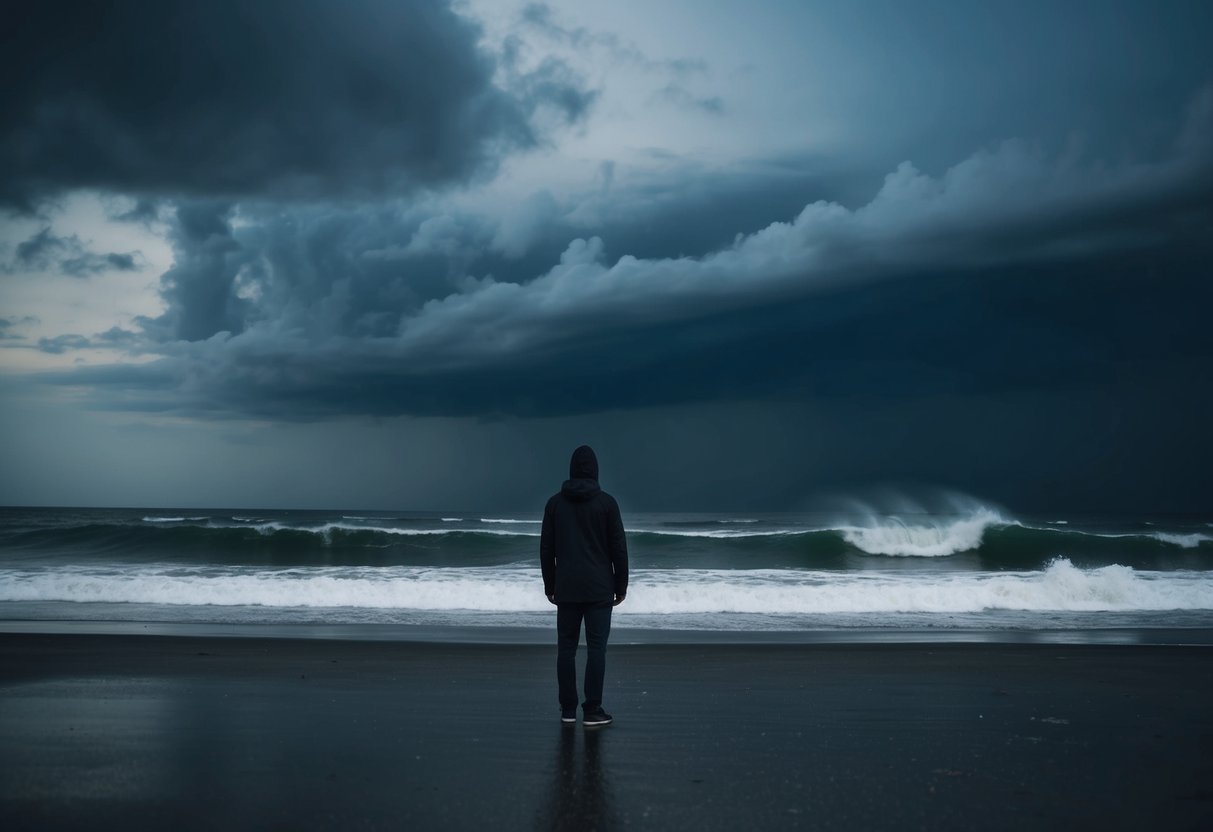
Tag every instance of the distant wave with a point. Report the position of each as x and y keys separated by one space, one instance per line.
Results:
x=1060 y=587
x=327 y=530
x=1187 y=541
x=720 y=534
x=710 y=521
x=982 y=538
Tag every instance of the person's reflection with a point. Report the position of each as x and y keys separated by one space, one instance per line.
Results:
x=580 y=797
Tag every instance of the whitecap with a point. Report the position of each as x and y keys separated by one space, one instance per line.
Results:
x=937 y=537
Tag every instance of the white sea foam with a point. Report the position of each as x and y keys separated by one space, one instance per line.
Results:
x=1060 y=587
x=173 y=519
x=327 y=529
x=936 y=538
x=508 y=521
x=719 y=534
x=1187 y=541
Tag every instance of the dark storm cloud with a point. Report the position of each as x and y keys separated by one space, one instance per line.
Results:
x=200 y=287
x=1012 y=270
x=318 y=271
x=230 y=99
x=45 y=251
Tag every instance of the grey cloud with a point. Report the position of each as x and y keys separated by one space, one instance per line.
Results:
x=519 y=229
x=89 y=263
x=201 y=289
x=679 y=95
x=62 y=343
x=38 y=250
x=316 y=271
x=117 y=337
x=452 y=238
x=45 y=251
x=143 y=211
x=8 y=326
x=282 y=97
x=606 y=171
x=112 y=338
x=539 y=18
x=551 y=86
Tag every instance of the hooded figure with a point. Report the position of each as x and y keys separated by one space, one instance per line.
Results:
x=582 y=548
x=584 y=557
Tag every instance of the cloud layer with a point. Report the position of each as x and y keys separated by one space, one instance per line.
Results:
x=336 y=311
x=290 y=98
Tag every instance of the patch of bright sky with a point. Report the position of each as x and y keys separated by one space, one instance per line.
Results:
x=46 y=304
x=676 y=90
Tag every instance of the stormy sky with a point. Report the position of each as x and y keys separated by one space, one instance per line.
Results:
x=409 y=254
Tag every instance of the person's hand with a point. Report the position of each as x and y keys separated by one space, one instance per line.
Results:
x=552 y=598
x=618 y=599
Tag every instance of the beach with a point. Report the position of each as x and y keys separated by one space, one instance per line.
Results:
x=203 y=732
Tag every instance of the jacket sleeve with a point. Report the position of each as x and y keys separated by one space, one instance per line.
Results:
x=619 y=550
x=547 y=552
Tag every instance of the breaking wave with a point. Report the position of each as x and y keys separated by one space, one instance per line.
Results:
x=971 y=536
x=1061 y=586
x=931 y=538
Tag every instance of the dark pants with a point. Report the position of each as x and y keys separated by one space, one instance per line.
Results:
x=597 y=616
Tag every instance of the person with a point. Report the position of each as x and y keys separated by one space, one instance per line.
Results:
x=583 y=553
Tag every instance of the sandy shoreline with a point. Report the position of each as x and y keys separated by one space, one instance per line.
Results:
x=145 y=732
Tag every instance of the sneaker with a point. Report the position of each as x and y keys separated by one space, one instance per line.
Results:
x=597 y=717
x=568 y=714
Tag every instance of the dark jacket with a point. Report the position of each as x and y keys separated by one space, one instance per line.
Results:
x=582 y=547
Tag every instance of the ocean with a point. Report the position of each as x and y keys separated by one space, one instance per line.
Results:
x=972 y=568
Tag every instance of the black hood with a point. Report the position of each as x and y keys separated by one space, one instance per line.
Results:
x=582 y=483
x=584 y=464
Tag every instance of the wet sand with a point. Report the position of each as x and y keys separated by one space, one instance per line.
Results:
x=154 y=732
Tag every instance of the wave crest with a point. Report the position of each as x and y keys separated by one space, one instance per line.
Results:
x=936 y=538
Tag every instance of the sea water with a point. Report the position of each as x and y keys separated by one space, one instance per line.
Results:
x=971 y=567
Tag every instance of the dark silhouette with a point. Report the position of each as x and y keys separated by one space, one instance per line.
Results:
x=584 y=555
